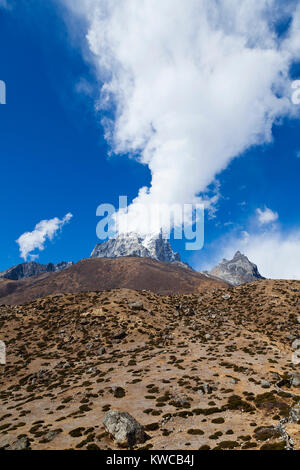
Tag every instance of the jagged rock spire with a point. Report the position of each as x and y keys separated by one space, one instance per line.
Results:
x=132 y=244
x=237 y=271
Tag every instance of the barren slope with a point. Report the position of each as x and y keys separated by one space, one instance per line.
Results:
x=108 y=273
x=189 y=368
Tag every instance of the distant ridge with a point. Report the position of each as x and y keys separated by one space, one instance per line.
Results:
x=237 y=271
x=30 y=269
x=99 y=274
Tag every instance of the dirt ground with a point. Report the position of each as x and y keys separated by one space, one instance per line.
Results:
x=197 y=371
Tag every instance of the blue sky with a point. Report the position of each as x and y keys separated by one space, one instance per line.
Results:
x=55 y=159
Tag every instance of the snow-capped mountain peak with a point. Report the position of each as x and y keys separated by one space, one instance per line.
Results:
x=154 y=246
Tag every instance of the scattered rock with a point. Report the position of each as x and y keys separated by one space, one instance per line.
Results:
x=2 y=353
x=124 y=429
x=295 y=382
x=21 y=444
x=289 y=443
x=265 y=384
x=275 y=376
x=180 y=401
x=51 y=435
x=206 y=389
x=296 y=344
x=62 y=365
x=226 y=297
x=101 y=351
x=136 y=306
x=295 y=414
x=42 y=376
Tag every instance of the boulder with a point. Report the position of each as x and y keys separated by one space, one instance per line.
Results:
x=295 y=414
x=226 y=296
x=265 y=384
x=124 y=429
x=136 y=305
x=296 y=344
x=180 y=401
x=101 y=351
x=207 y=389
x=2 y=353
x=21 y=444
x=295 y=380
x=51 y=435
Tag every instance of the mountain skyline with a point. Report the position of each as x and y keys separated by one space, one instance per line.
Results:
x=240 y=270
x=150 y=228
x=62 y=163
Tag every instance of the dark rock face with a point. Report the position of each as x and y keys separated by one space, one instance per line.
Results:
x=124 y=429
x=30 y=269
x=132 y=244
x=237 y=271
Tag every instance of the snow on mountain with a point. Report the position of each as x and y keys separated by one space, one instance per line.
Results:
x=132 y=244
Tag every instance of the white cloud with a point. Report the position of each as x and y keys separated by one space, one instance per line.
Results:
x=266 y=216
x=194 y=84
x=43 y=231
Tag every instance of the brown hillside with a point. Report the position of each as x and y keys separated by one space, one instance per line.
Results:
x=107 y=273
x=199 y=371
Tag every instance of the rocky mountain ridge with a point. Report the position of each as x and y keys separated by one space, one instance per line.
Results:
x=153 y=246
x=237 y=271
x=99 y=274
x=156 y=247
x=30 y=269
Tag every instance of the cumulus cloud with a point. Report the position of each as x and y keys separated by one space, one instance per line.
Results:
x=266 y=216
x=43 y=231
x=192 y=85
